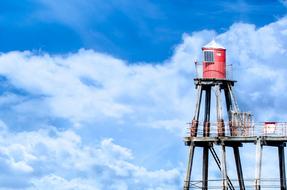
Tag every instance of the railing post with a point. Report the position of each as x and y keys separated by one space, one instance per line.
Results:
x=282 y=130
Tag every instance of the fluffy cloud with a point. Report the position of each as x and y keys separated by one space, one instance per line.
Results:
x=54 y=106
x=51 y=159
x=89 y=86
x=258 y=56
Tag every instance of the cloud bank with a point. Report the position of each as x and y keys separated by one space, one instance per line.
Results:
x=49 y=159
x=60 y=113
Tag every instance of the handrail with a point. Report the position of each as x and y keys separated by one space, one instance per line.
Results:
x=266 y=183
x=199 y=71
x=247 y=129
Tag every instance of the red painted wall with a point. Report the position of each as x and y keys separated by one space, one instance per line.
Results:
x=216 y=69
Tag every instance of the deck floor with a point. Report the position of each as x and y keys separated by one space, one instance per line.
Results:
x=235 y=141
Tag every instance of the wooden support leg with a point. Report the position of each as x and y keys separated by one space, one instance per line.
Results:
x=194 y=126
x=220 y=122
x=238 y=168
x=206 y=129
x=205 y=168
x=189 y=167
x=228 y=108
x=193 y=133
x=206 y=132
x=282 y=167
x=258 y=163
x=224 y=168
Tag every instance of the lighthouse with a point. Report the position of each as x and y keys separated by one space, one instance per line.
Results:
x=229 y=128
x=214 y=61
x=215 y=81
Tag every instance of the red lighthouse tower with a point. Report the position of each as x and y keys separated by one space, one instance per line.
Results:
x=214 y=61
x=202 y=133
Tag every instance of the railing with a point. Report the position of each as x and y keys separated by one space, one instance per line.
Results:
x=199 y=71
x=246 y=129
x=265 y=183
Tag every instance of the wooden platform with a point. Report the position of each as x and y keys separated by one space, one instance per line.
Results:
x=235 y=141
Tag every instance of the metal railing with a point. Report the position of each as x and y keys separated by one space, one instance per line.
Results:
x=228 y=70
x=246 y=129
x=265 y=183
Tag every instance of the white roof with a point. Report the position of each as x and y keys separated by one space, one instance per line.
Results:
x=213 y=44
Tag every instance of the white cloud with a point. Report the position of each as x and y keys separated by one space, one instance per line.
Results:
x=94 y=88
x=50 y=159
x=258 y=56
x=89 y=86
x=58 y=183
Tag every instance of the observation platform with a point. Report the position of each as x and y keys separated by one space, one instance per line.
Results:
x=209 y=82
x=261 y=134
x=212 y=81
x=235 y=141
x=270 y=135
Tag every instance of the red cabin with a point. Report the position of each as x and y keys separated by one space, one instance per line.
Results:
x=214 y=61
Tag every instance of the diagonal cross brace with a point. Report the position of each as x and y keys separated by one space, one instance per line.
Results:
x=217 y=160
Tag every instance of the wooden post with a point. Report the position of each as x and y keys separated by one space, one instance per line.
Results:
x=238 y=167
x=193 y=133
x=189 y=167
x=258 y=163
x=194 y=127
x=220 y=121
x=224 y=168
x=282 y=167
x=206 y=132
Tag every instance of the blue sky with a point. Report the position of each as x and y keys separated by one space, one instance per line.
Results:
x=96 y=94
x=132 y=30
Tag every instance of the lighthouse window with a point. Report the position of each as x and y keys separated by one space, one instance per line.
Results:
x=208 y=56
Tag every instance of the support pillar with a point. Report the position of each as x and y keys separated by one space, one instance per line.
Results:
x=193 y=133
x=206 y=129
x=228 y=98
x=194 y=126
x=189 y=167
x=258 y=163
x=206 y=132
x=238 y=168
x=228 y=108
x=224 y=168
x=205 y=168
x=282 y=167
x=220 y=121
